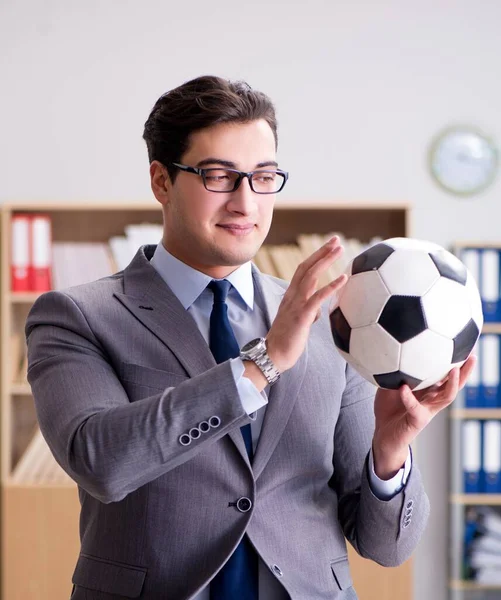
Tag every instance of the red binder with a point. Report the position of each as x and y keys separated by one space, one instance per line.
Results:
x=41 y=253
x=20 y=253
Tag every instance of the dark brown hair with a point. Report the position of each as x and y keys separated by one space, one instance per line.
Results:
x=195 y=105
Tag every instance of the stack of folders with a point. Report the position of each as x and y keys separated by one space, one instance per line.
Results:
x=483 y=545
x=40 y=263
x=481 y=456
x=483 y=263
x=482 y=389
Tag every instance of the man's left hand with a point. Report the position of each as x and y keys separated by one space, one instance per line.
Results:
x=401 y=415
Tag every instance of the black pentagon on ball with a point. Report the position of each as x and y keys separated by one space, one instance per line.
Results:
x=402 y=317
x=372 y=258
x=464 y=341
x=392 y=381
x=448 y=266
x=341 y=330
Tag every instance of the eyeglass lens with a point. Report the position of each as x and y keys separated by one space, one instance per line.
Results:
x=223 y=180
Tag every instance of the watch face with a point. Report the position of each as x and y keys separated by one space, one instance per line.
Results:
x=250 y=345
x=463 y=161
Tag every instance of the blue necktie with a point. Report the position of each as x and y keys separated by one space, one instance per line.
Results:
x=238 y=578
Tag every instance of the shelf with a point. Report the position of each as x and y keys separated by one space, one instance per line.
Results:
x=39 y=485
x=20 y=389
x=491 y=328
x=485 y=499
x=475 y=244
x=23 y=297
x=475 y=413
x=473 y=585
x=91 y=206
x=153 y=205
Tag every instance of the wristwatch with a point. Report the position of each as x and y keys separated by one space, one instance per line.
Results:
x=256 y=351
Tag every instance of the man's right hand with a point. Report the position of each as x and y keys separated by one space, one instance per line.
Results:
x=301 y=304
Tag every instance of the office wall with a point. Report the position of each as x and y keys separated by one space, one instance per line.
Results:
x=360 y=87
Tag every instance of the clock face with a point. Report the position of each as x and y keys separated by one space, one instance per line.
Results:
x=463 y=161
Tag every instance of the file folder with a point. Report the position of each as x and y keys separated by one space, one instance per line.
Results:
x=473 y=397
x=489 y=284
x=471 y=458
x=489 y=368
x=491 y=457
x=41 y=243
x=20 y=253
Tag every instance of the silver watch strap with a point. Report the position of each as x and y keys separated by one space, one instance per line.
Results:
x=267 y=367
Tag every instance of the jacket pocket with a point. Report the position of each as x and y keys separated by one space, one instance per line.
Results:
x=110 y=577
x=341 y=571
x=149 y=377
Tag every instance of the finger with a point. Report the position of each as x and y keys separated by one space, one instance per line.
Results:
x=313 y=258
x=451 y=388
x=321 y=295
x=411 y=404
x=308 y=285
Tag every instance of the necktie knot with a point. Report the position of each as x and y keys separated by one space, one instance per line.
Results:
x=220 y=289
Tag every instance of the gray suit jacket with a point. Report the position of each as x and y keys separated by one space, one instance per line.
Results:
x=119 y=371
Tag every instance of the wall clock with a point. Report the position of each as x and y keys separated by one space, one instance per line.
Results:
x=463 y=160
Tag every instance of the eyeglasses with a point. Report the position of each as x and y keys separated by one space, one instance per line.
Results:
x=228 y=180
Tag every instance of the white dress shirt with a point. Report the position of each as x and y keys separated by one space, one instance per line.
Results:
x=248 y=322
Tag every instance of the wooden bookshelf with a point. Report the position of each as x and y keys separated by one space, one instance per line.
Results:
x=40 y=506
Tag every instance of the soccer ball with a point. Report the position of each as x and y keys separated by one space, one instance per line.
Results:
x=409 y=312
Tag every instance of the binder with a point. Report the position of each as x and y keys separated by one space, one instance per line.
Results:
x=489 y=284
x=40 y=263
x=491 y=457
x=473 y=397
x=20 y=253
x=471 y=456
x=490 y=370
x=470 y=257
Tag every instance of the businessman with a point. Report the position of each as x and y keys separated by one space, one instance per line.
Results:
x=222 y=447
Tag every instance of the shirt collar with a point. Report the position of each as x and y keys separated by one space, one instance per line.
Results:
x=188 y=283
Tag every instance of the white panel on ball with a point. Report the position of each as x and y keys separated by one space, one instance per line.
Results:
x=437 y=377
x=375 y=349
x=447 y=307
x=411 y=243
x=364 y=372
x=363 y=298
x=417 y=361
x=409 y=272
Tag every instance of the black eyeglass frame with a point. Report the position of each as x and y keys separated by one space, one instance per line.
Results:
x=241 y=174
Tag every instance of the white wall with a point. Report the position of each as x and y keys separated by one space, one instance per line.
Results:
x=360 y=88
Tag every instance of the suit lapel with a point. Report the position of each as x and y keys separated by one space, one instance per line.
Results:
x=153 y=303
x=283 y=395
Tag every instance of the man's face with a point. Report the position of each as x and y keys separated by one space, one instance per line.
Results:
x=216 y=232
